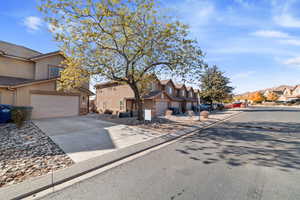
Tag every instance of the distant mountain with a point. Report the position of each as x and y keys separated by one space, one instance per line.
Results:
x=278 y=88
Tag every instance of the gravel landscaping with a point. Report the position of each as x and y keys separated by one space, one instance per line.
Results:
x=167 y=124
x=27 y=152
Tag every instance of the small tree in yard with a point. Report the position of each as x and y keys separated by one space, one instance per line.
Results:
x=257 y=97
x=121 y=40
x=214 y=85
x=272 y=96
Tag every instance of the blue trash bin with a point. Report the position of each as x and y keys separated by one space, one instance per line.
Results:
x=5 y=113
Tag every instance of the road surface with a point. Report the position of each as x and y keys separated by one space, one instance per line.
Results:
x=253 y=156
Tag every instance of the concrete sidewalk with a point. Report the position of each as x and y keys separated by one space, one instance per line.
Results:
x=104 y=158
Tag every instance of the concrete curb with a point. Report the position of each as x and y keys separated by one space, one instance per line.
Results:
x=38 y=184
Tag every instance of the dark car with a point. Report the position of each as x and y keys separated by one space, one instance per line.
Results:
x=175 y=111
x=206 y=107
x=218 y=106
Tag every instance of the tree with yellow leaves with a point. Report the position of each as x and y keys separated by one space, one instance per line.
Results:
x=272 y=96
x=256 y=97
x=121 y=40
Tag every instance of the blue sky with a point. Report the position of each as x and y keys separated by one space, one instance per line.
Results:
x=256 y=42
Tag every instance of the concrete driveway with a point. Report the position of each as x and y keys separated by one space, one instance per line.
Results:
x=84 y=137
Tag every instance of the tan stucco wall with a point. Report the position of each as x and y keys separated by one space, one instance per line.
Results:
x=6 y=96
x=23 y=93
x=16 y=68
x=42 y=65
x=112 y=96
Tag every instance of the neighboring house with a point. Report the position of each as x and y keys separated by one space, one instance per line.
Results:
x=277 y=92
x=290 y=93
x=30 y=78
x=160 y=96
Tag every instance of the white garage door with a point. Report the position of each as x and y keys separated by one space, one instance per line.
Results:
x=47 y=106
x=161 y=107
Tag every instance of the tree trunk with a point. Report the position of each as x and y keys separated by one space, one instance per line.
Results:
x=138 y=101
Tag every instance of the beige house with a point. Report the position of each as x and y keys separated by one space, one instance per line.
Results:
x=162 y=95
x=290 y=93
x=29 y=78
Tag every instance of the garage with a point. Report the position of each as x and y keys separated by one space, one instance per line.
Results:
x=175 y=104
x=54 y=104
x=161 y=107
x=189 y=106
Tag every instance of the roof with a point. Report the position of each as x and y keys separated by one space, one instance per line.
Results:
x=152 y=94
x=19 y=82
x=23 y=53
x=164 y=82
x=82 y=89
x=188 y=88
x=17 y=50
x=12 y=81
x=178 y=86
x=106 y=84
x=40 y=56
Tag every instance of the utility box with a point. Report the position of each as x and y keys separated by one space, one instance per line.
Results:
x=147 y=116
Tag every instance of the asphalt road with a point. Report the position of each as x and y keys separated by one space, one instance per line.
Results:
x=253 y=156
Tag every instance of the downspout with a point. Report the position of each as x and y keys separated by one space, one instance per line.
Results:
x=14 y=94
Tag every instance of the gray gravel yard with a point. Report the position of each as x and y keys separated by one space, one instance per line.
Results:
x=27 y=152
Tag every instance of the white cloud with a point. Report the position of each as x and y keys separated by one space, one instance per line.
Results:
x=243 y=75
x=287 y=20
x=270 y=34
x=295 y=42
x=33 y=23
x=293 y=61
x=195 y=12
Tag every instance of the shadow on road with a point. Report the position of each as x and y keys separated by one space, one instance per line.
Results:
x=269 y=144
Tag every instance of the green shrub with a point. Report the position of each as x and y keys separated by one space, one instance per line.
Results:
x=20 y=114
x=109 y=112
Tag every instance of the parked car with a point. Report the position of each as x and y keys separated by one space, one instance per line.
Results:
x=175 y=111
x=237 y=105
x=206 y=107
x=218 y=106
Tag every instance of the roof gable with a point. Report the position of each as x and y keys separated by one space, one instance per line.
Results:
x=10 y=49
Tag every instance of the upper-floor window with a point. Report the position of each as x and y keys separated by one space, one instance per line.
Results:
x=54 y=71
x=170 y=90
x=183 y=93
x=191 y=94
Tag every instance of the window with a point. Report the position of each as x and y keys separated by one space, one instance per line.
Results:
x=121 y=105
x=170 y=90
x=191 y=94
x=182 y=93
x=83 y=100
x=153 y=86
x=54 y=71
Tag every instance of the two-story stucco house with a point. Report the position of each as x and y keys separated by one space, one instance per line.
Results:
x=162 y=95
x=29 y=78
